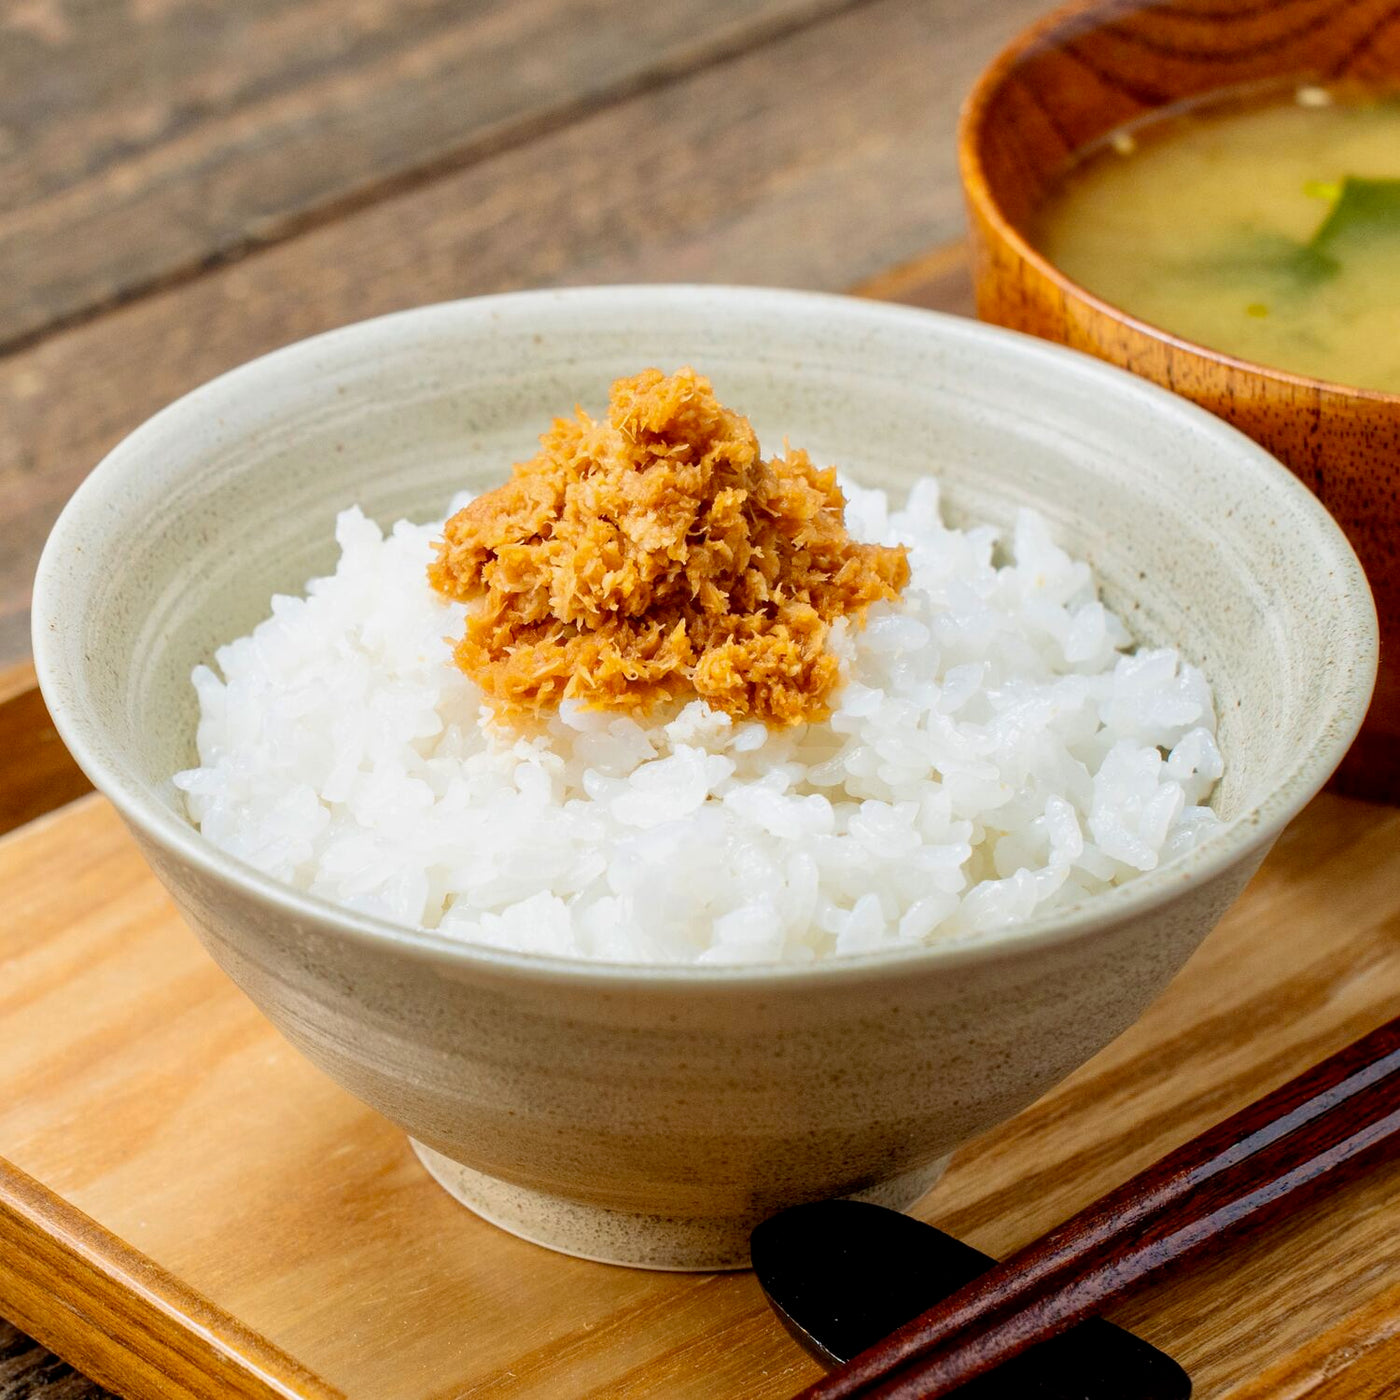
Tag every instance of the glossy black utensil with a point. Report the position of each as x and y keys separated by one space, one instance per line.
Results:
x=843 y=1274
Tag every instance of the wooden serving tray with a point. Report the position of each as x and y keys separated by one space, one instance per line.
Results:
x=188 y=1208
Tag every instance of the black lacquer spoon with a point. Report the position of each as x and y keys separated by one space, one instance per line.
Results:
x=844 y=1274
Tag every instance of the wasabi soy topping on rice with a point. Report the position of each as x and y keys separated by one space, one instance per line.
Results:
x=993 y=747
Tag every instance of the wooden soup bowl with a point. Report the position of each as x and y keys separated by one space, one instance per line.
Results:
x=1088 y=68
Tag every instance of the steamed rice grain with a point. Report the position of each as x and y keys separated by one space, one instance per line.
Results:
x=998 y=749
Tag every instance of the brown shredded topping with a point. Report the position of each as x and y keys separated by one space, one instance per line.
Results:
x=656 y=556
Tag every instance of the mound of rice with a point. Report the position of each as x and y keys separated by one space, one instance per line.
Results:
x=998 y=749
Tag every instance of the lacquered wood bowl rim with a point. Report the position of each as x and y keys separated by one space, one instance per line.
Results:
x=973 y=122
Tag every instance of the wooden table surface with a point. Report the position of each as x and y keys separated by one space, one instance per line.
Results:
x=184 y=185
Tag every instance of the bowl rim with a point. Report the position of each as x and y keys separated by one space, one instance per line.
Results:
x=1354 y=674
x=974 y=121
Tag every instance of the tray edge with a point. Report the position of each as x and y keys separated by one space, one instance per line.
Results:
x=120 y=1318
x=37 y=774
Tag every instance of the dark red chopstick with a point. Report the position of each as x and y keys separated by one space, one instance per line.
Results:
x=1319 y=1129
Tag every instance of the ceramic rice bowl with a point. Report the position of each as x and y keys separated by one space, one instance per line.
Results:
x=648 y=1115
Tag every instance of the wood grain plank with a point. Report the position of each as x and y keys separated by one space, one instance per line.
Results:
x=142 y=141
x=28 y=1371
x=141 y=1086
x=123 y=1321
x=38 y=772
x=16 y=680
x=938 y=280
x=1360 y=1356
x=818 y=161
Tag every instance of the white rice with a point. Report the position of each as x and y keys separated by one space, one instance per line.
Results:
x=998 y=749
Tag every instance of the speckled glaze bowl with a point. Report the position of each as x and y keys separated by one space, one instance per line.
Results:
x=652 y=1115
x=1092 y=66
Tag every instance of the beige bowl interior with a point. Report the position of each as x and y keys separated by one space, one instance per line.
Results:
x=177 y=542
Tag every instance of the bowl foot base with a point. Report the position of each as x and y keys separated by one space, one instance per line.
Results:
x=636 y=1240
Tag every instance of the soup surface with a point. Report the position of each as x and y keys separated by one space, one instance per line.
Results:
x=1270 y=231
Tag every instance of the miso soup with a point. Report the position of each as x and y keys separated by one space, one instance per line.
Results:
x=1267 y=229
